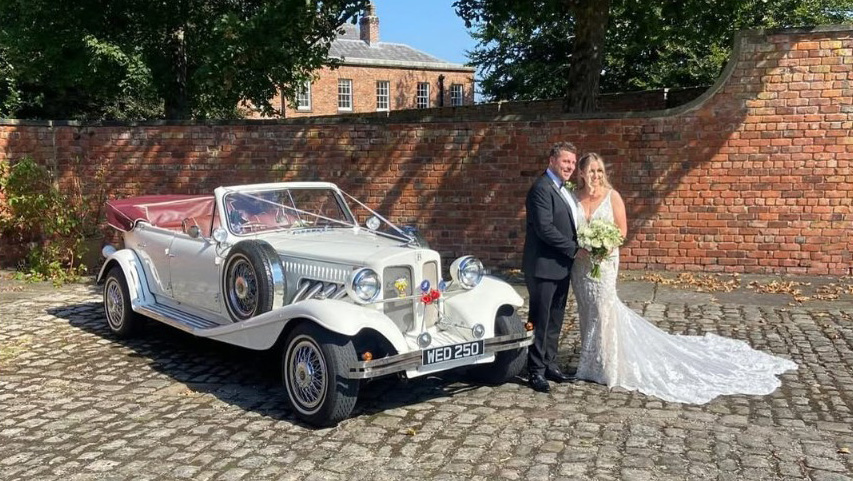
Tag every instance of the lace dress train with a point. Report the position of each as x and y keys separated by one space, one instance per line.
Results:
x=620 y=348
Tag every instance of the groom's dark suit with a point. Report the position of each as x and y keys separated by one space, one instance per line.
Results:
x=550 y=246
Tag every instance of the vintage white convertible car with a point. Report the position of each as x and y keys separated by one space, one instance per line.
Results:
x=288 y=266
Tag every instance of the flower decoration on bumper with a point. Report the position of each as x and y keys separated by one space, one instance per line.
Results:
x=428 y=295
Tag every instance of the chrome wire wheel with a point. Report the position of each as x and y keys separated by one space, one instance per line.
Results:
x=242 y=287
x=307 y=376
x=114 y=304
x=121 y=319
x=315 y=363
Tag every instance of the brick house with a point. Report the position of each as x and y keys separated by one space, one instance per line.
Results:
x=379 y=76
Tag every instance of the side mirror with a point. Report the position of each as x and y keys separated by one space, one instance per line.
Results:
x=193 y=231
x=219 y=235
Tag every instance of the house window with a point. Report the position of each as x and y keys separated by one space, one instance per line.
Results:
x=382 y=94
x=423 y=95
x=303 y=98
x=456 y=95
x=344 y=94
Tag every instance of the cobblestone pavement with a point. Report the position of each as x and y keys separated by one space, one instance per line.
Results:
x=77 y=404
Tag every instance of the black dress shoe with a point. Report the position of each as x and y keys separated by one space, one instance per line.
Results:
x=538 y=383
x=558 y=376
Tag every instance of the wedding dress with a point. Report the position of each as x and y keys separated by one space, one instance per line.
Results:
x=620 y=348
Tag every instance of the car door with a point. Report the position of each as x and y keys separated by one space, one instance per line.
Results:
x=152 y=245
x=195 y=272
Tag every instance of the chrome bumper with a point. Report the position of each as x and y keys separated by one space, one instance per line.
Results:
x=411 y=360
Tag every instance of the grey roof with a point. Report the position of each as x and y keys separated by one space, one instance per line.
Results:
x=353 y=51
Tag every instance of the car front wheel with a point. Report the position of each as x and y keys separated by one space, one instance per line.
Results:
x=313 y=365
x=121 y=319
x=508 y=364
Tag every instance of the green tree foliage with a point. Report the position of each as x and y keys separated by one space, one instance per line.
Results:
x=525 y=49
x=143 y=59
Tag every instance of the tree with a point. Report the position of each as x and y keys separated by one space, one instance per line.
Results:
x=530 y=50
x=178 y=59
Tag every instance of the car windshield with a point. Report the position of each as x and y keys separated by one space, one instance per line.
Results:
x=267 y=210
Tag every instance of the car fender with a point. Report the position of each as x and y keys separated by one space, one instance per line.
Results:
x=481 y=304
x=262 y=332
x=133 y=273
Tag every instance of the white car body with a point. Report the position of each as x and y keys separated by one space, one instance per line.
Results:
x=181 y=266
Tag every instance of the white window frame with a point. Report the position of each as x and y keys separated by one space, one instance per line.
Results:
x=383 y=95
x=457 y=95
x=422 y=95
x=345 y=95
x=304 y=95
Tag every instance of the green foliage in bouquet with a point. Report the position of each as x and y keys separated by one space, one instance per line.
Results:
x=53 y=224
x=599 y=237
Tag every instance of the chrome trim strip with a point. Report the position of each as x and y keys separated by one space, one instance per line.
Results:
x=409 y=360
x=325 y=273
x=175 y=318
x=279 y=283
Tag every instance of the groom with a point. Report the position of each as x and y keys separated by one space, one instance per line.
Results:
x=550 y=247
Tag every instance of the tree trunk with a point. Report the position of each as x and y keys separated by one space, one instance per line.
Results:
x=175 y=103
x=591 y=17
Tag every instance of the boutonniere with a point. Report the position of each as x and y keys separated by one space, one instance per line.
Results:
x=569 y=185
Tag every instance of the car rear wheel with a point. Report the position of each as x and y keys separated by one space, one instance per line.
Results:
x=121 y=319
x=508 y=364
x=253 y=280
x=313 y=367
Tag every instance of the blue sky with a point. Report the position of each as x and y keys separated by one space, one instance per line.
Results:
x=431 y=26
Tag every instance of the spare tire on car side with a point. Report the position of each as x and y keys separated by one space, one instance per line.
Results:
x=252 y=280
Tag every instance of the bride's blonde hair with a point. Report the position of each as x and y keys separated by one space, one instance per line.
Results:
x=584 y=162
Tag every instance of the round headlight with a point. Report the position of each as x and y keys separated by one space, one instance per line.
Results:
x=467 y=271
x=220 y=234
x=373 y=223
x=365 y=285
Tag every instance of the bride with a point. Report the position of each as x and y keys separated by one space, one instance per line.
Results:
x=620 y=348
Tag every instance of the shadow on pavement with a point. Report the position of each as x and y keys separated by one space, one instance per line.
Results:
x=250 y=380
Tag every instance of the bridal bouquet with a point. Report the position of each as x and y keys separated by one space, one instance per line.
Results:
x=599 y=237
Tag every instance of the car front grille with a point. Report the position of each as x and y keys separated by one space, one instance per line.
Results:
x=404 y=313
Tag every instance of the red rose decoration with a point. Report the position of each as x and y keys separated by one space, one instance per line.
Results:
x=431 y=296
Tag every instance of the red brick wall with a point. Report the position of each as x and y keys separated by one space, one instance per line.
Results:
x=754 y=176
x=402 y=86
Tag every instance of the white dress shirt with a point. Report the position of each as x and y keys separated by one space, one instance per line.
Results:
x=566 y=195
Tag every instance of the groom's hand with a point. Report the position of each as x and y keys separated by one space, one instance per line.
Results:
x=582 y=254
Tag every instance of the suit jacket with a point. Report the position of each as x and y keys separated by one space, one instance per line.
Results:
x=550 y=243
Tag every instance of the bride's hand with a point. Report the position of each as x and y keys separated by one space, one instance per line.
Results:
x=582 y=254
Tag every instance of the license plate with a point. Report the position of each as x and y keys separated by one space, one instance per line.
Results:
x=453 y=352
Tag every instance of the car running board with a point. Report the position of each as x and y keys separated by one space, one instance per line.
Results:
x=176 y=318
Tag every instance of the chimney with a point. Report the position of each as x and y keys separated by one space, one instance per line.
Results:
x=368 y=26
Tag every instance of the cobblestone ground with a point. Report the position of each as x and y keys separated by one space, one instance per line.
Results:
x=77 y=404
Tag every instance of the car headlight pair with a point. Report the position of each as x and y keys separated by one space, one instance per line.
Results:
x=365 y=284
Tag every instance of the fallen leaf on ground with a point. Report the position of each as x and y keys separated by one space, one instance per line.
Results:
x=697 y=282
